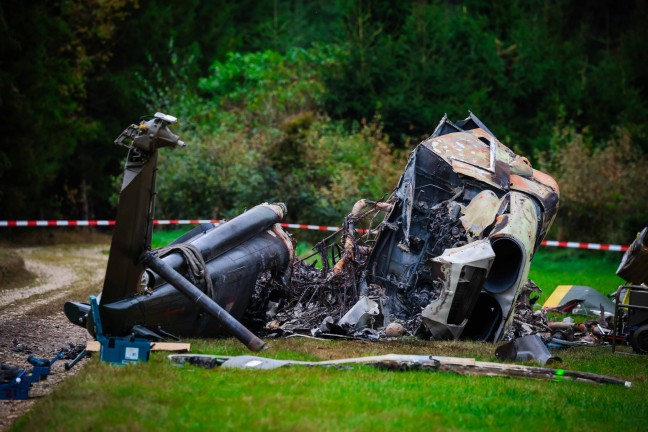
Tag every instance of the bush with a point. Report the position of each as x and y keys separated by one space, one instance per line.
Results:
x=311 y=163
x=263 y=88
x=258 y=136
x=600 y=197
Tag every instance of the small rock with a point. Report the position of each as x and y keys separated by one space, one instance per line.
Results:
x=394 y=330
x=273 y=325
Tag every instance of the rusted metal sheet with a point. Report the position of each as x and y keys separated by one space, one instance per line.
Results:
x=481 y=212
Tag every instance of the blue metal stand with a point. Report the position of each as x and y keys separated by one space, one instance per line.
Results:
x=118 y=350
x=18 y=387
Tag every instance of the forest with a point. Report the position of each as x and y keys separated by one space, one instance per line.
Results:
x=318 y=103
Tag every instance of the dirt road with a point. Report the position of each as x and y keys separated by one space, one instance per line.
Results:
x=32 y=320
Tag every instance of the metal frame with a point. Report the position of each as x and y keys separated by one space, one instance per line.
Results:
x=618 y=305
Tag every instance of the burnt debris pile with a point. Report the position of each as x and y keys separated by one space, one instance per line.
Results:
x=318 y=296
x=446 y=256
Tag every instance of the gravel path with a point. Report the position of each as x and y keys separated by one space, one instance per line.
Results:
x=32 y=320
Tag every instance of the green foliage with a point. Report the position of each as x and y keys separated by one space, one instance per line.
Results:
x=334 y=168
x=74 y=74
x=598 y=184
x=438 y=59
x=49 y=50
x=256 y=137
x=284 y=25
x=168 y=86
x=518 y=67
x=266 y=86
x=318 y=172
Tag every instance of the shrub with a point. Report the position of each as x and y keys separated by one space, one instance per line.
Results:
x=258 y=136
x=600 y=197
x=311 y=163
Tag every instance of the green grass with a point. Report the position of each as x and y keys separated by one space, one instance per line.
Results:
x=552 y=267
x=162 y=237
x=161 y=396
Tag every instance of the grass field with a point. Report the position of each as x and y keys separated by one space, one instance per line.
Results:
x=161 y=396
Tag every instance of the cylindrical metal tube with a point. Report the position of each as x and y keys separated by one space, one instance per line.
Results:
x=76 y=360
x=237 y=329
x=233 y=233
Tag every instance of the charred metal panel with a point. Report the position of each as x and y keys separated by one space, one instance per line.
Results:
x=546 y=193
x=462 y=190
x=401 y=263
x=225 y=236
x=234 y=274
x=462 y=272
x=134 y=222
x=130 y=239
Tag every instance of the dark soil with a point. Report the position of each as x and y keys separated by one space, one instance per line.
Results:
x=12 y=270
x=31 y=313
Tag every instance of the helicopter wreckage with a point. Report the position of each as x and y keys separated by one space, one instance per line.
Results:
x=446 y=256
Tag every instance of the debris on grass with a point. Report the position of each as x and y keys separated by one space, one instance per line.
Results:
x=526 y=348
x=402 y=362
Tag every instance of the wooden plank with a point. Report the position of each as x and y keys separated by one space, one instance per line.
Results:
x=92 y=346
x=464 y=366
x=170 y=346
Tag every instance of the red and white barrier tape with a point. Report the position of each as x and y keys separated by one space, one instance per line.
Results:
x=580 y=245
x=44 y=223
x=312 y=227
x=41 y=223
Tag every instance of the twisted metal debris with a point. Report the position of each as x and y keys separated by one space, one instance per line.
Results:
x=448 y=260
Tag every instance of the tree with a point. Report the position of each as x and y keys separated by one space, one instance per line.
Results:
x=48 y=50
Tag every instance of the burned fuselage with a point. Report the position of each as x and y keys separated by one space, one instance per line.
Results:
x=467 y=217
x=448 y=260
x=234 y=253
